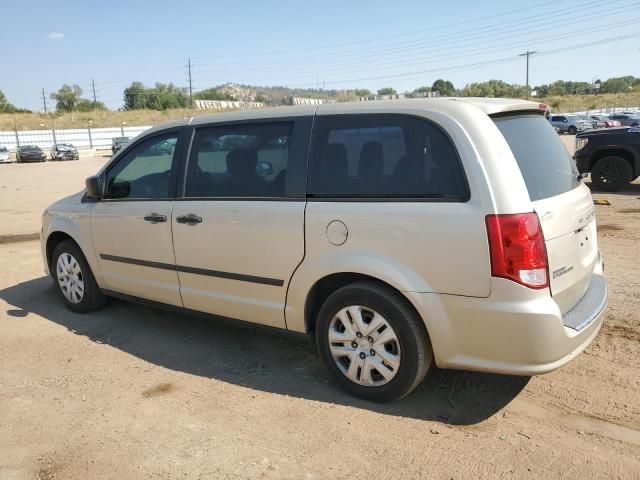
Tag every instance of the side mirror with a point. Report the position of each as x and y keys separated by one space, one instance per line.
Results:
x=264 y=169
x=93 y=186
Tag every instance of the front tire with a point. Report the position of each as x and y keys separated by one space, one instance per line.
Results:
x=373 y=342
x=572 y=130
x=74 y=280
x=611 y=173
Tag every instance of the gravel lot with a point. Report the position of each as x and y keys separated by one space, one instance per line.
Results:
x=132 y=392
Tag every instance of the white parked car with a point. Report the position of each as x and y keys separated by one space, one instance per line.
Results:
x=400 y=235
x=5 y=156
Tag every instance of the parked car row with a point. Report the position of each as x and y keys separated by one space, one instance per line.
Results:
x=573 y=124
x=33 y=153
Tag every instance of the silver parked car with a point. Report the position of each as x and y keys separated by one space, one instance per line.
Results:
x=571 y=124
x=400 y=235
x=64 y=151
x=5 y=156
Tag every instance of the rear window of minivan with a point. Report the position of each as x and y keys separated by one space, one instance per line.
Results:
x=547 y=168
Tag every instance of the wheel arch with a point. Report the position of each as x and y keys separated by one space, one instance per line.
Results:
x=53 y=240
x=325 y=286
x=78 y=231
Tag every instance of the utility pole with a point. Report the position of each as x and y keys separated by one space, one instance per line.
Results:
x=44 y=101
x=93 y=87
x=527 y=54
x=190 y=84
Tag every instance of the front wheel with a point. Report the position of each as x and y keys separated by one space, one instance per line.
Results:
x=74 y=280
x=373 y=342
x=611 y=173
x=572 y=130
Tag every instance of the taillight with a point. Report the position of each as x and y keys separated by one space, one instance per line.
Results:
x=518 y=253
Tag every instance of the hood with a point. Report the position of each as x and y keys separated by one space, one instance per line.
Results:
x=607 y=131
x=65 y=203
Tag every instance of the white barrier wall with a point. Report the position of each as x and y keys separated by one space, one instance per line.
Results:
x=80 y=137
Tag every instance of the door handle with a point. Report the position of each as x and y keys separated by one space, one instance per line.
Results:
x=155 y=218
x=190 y=219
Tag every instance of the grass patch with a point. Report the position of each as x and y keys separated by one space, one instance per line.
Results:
x=160 y=389
x=609 y=228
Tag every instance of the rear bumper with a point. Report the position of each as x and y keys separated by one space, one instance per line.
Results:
x=514 y=331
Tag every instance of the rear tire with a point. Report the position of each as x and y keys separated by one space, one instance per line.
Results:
x=389 y=363
x=74 y=280
x=611 y=173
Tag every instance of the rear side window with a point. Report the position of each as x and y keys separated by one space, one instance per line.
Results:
x=384 y=156
x=245 y=160
x=547 y=168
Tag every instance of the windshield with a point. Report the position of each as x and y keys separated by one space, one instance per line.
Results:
x=3 y=149
x=547 y=168
x=572 y=118
x=29 y=147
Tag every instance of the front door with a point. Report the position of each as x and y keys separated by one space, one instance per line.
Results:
x=131 y=225
x=238 y=229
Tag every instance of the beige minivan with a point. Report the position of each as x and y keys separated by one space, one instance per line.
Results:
x=397 y=234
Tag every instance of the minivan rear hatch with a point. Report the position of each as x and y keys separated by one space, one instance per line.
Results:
x=563 y=204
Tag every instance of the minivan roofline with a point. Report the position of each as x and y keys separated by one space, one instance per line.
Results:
x=445 y=105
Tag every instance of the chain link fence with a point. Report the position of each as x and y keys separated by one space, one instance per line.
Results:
x=82 y=138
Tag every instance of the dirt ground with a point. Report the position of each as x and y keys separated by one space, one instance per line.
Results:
x=132 y=392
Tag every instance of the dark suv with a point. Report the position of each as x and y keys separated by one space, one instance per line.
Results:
x=118 y=143
x=612 y=156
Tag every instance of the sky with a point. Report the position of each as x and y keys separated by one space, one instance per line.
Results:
x=336 y=44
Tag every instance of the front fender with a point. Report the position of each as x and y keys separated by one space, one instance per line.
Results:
x=77 y=225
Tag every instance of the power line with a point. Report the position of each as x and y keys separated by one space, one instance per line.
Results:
x=403 y=48
x=464 y=53
x=476 y=64
x=415 y=32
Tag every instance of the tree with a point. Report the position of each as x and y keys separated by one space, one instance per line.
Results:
x=616 y=85
x=494 y=89
x=362 y=92
x=67 y=98
x=134 y=96
x=6 y=107
x=213 y=94
x=445 y=87
x=387 y=91
x=424 y=89
x=86 y=105
x=162 y=96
